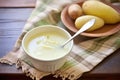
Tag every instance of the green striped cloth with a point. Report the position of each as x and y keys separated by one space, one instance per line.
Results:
x=83 y=57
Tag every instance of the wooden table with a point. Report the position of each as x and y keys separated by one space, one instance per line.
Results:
x=13 y=16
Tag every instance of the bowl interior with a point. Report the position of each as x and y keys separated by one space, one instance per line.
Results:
x=48 y=29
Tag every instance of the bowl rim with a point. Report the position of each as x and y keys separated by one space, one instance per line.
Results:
x=45 y=26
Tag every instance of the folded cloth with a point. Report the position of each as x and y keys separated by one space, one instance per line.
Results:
x=83 y=57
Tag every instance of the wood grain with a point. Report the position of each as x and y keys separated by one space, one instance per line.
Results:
x=17 y=3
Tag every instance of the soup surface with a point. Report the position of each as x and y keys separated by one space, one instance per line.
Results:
x=46 y=46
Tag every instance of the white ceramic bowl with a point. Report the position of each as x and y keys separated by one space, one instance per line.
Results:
x=46 y=65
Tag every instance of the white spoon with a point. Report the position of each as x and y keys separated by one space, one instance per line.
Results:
x=86 y=26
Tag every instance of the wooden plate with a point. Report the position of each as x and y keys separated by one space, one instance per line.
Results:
x=106 y=30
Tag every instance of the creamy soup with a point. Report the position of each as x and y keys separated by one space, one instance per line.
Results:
x=46 y=46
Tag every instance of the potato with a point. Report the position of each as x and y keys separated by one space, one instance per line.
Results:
x=97 y=8
x=80 y=21
x=74 y=11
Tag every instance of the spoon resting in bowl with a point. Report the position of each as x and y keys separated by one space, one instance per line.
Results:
x=86 y=26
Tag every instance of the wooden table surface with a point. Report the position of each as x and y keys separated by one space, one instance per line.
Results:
x=13 y=17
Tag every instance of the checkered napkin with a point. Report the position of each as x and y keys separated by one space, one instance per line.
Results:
x=83 y=57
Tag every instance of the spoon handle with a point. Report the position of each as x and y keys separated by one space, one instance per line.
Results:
x=86 y=26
